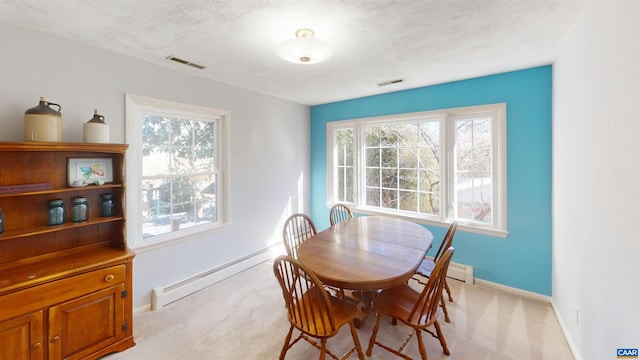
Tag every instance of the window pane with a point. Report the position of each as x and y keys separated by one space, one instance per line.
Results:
x=185 y=217
x=429 y=134
x=429 y=203
x=372 y=136
x=429 y=180
x=389 y=157
x=388 y=135
x=344 y=164
x=182 y=191
x=341 y=155
x=373 y=177
x=373 y=197
x=349 y=186
x=208 y=193
x=204 y=159
x=207 y=211
x=408 y=201
x=344 y=144
x=408 y=157
x=155 y=130
x=204 y=133
x=373 y=157
x=182 y=132
x=156 y=215
x=181 y=160
x=473 y=176
x=389 y=178
x=428 y=158
x=408 y=179
x=389 y=199
x=155 y=161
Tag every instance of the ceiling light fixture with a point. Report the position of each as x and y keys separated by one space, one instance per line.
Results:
x=304 y=48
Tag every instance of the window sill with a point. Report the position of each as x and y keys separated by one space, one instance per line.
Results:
x=175 y=238
x=461 y=226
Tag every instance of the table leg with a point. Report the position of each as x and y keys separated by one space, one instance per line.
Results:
x=363 y=299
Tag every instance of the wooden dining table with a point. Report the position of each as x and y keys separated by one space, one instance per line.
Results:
x=366 y=254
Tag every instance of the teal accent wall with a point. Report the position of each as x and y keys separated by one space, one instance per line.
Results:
x=522 y=259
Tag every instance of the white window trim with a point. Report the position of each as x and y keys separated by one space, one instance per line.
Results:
x=499 y=139
x=135 y=105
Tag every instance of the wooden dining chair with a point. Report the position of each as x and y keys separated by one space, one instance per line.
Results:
x=311 y=309
x=418 y=310
x=297 y=228
x=339 y=212
x=426 y=267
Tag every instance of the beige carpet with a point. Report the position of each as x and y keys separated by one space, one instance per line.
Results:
x=243 y=317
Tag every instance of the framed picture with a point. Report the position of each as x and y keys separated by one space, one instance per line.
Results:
x=89 y=171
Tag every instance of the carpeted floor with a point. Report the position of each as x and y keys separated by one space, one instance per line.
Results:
x=243 y=318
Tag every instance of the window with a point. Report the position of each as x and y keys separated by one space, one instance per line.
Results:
x=433 y=166
x=175 y=169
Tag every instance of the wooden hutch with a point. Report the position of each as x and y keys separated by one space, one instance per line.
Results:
x=65 y=290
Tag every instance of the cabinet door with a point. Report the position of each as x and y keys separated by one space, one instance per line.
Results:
x=21 y=338
x=87 y=324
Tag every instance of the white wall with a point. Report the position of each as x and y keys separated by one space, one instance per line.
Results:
x=269 y=140
x=596 y=182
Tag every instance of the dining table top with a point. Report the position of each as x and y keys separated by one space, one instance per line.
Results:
x=366 y=253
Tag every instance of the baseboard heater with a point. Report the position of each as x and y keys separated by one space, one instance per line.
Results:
x=461 y=272
x=162 y=296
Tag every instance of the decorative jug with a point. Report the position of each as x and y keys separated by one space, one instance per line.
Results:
x=95 y=130
x=43 y=123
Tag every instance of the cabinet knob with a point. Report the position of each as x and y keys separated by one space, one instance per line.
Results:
x=109 y=277
x=36 y=345
x=55 y=338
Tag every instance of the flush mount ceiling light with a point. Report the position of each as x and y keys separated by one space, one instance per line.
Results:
x=304 y=49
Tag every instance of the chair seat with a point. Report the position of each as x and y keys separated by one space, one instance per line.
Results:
x=397 y=303
x=418 y=310
x=426 y=267
x=343 y=312
x=312 y=310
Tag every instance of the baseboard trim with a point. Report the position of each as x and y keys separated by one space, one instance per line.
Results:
x=565 y=331
x=164 y=295
x=524 y=293
x=141 y=309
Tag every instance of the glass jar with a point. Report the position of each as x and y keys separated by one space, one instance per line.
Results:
x=79 y=209
x=56 y=214
x=1 y=221
x=107 y=205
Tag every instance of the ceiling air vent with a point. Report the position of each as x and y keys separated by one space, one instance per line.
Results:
x=185 y=62
x=390 y=82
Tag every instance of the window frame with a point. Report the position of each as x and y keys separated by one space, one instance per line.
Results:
x=447 y=117
x=136 y=106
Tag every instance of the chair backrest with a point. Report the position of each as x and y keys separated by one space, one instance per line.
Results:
x=425 y=309
x=447 y=241
x=297 y=228
x=339 y=212
x=308 y=304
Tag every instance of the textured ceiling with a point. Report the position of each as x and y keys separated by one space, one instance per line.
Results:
x=424 y=42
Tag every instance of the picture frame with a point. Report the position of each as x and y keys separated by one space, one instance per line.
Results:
x=89 y=170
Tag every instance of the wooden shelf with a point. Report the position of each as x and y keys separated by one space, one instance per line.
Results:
x=60 y=146
x=61 y=190
x=38 y=230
